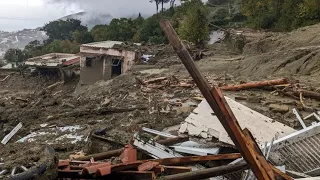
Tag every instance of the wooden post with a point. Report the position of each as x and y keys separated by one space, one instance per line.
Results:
x=219 y=105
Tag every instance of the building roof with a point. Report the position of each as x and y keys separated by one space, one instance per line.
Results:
x=53 y=60
x=102 y=44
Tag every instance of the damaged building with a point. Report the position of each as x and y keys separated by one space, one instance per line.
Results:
x=55 y=65
x=102 y=61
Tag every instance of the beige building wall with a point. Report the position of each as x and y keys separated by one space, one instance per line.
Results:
x=101 y=69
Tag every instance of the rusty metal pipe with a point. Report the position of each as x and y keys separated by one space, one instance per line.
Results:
x=207 y=173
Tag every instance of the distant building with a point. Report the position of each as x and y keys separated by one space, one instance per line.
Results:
x=54 y=64
x=103 y=60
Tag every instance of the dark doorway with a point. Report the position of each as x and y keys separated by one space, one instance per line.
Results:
x=116 y=67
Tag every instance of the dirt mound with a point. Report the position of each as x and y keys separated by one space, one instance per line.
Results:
x=281 y=54
x=306 y=37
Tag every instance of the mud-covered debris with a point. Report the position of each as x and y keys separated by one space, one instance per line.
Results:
x=279 y=108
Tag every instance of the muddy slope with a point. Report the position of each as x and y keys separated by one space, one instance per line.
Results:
x=296 y=52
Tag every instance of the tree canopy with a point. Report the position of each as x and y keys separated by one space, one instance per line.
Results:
x=281 y=15
x=194 y=27
x=62 y=30
x=14 y=56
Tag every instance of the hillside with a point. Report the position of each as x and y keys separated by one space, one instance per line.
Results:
x=19 y=39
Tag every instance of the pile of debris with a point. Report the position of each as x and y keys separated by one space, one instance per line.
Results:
x=168 y=163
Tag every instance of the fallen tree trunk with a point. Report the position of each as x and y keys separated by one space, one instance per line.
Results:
x=306 y=93
x=252 y=85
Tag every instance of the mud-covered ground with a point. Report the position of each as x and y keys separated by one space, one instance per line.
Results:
x=66 y=116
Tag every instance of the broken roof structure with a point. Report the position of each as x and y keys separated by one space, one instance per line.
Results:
x=55 y=65
x=53 y=60
x=102 y=61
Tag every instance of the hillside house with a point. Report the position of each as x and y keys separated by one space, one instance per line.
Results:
x=104 y=60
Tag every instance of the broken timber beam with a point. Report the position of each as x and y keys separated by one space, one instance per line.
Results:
x=207 y=173
x=101 y=156
x=155 y=80
x=252 y=85
x=219 y=105
x=195 y=159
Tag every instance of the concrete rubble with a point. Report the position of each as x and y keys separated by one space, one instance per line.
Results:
x=203 y=123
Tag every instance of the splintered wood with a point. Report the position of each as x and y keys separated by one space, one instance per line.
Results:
x=163 y=82
x=282 y=86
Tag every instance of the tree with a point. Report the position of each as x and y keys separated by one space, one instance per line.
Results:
x=194 y=27
x=33 y=49
x=82 y=37
x=121 y=29
x=14 y=56
x=62 y=30
x=172 y=3
x=62 y=46
x=162 y=3
x=157 y=2
x=99 y=32
x=151 y=31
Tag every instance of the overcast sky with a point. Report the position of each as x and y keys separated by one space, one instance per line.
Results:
x=19 y=14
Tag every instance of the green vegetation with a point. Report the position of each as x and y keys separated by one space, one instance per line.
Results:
x=281 y=15
x=14 y=56
x=194 y=27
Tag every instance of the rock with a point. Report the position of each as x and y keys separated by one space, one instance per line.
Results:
x=2 y=104
x=253 y=99
x=106 y=102
x=68 y=105
x=279 y=108
x=241 y=98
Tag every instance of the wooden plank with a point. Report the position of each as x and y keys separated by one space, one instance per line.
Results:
x=11 y=134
